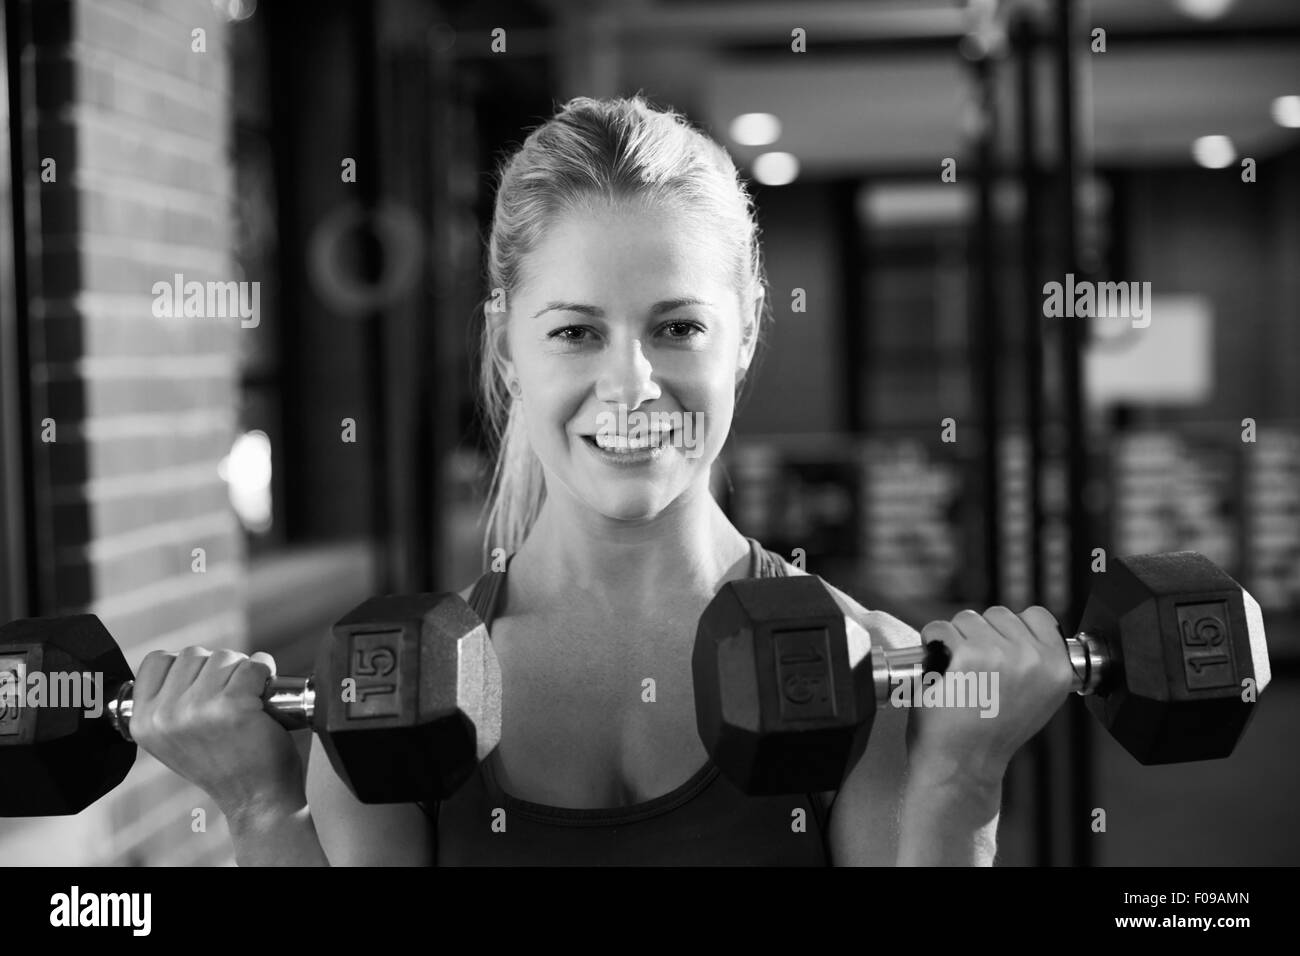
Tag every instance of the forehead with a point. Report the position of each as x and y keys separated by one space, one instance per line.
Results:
x=636 y=248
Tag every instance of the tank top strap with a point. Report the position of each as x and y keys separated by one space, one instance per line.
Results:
x=485 y=597
x=764 y=563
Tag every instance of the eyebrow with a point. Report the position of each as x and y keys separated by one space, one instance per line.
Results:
x=659 y=308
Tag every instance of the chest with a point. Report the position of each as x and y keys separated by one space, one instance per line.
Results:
x=600 y=715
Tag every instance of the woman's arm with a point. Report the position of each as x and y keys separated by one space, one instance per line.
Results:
x=948 y=822
x=353 y=833
x=366 y=834
x=284 y=836
x=888 y=813
x=331 y=826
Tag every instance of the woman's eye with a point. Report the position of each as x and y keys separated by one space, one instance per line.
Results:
x=682 y=330
x=570 y=333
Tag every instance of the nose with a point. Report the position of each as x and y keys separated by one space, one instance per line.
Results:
x=626 y=376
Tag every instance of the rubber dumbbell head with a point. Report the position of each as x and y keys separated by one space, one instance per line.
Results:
x=780 y=703
x=58 y=760
x=1188 y=656
x=408 y=697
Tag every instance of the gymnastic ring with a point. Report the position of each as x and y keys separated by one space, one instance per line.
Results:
x=400 y=241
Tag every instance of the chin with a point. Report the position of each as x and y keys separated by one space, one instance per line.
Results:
x=635 y=503
x=631 y=509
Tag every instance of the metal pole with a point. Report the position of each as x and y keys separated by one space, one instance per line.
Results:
x=1072 y=336
x=377 y=431
x=31 y=541
x=1031 y=271
x=987 y=329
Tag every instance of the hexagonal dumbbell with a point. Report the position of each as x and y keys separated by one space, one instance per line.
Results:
x=408 y=697
x=1179 y=653
x=1170 y=651
x=406 y=700
x=57 y=760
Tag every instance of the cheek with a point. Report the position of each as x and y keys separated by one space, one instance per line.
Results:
x=714 y=398
x=551 y=402
x=717 y=382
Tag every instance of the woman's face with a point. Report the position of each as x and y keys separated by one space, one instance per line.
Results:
x=627 y=337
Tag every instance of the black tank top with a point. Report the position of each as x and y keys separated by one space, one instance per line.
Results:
x=706 y=821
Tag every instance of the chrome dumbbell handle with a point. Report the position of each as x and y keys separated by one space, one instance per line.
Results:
x=290 y=700
x=1088 y=659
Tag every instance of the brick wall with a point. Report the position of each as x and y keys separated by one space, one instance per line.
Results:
x=138 y=124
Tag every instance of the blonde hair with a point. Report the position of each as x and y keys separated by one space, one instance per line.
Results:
x=612 y=150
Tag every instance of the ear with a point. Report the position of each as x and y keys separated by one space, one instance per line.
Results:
x=499 y=338
x=753 y=321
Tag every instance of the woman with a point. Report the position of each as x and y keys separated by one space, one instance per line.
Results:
x=627 y=303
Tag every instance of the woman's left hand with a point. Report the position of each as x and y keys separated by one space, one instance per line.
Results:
x=1023 y=661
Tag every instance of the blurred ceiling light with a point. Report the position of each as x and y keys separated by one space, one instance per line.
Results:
x=1286 y=111
x=1214 y=152
x=755 y=129
x=776 y=169
x=247 y=472
x=1204 y=9
x=235 y=10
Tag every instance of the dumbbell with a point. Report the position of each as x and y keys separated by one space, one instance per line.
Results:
x=1170 y=655
x=406 y=700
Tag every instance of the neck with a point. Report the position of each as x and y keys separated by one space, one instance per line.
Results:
x=688 y=549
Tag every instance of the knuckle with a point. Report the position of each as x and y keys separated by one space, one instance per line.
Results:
x=150 y=727
x=166 y=718
x=211 y=713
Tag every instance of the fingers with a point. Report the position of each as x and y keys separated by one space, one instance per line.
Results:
x=149 y=677
x=998 y=639
x=217 y=668
x=1042 y=625
x=189 y=661
x=264 y=658
x=1047 y=632
x=170 y=675
x=1008 y=624
x=944 y=633
x=250 y=675
x=978 y=627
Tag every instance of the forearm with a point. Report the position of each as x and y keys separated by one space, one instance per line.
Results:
x=279 y=838
x=948 y=821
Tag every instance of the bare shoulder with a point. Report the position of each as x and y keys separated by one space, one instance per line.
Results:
x=885 y=629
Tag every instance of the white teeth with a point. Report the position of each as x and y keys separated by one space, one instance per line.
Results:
x=625 y=443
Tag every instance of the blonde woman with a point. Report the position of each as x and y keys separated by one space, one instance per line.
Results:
x=625 y=256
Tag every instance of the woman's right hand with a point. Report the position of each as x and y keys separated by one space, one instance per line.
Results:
x=201 y=713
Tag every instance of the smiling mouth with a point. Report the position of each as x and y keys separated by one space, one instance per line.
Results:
x=625 y=444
